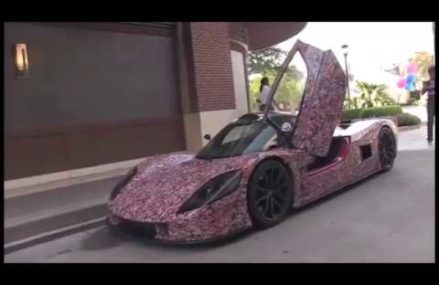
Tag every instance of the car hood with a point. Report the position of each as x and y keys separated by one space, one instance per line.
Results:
x=164 y=182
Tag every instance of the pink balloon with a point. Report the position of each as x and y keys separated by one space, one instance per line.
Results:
x=401 y=83
x=412 y=68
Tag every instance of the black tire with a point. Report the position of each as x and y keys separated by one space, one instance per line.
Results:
x=269 y=194
x=386 y=148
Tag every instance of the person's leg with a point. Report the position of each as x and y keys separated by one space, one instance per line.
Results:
x=430 y=118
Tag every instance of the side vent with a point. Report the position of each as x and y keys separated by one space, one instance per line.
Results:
x=366 y=151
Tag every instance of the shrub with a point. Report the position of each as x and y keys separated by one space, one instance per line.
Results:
x=406 y=119
x=381 y=111
x=351 y=114
x=403 y=119
x=386 y=111
x=410 y=102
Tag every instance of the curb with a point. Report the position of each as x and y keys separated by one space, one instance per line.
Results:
x=49 y=236
x=408 y=128
x=35 y=232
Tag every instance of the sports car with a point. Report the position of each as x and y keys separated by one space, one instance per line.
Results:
x=258 y=167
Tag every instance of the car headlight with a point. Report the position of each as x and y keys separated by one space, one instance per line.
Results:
x=123 y=183
x=213 y=190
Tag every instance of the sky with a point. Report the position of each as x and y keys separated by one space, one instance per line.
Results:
x=372 y=45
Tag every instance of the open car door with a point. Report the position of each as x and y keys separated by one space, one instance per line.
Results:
x=320 y=103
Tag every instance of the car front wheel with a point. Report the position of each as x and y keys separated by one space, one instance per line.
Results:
x=269 y=194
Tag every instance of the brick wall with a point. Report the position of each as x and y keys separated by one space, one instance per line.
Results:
x=212 y=66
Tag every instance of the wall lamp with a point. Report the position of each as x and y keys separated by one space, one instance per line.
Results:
x=21 y=60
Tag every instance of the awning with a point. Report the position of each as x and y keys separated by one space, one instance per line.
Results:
x=265 y=34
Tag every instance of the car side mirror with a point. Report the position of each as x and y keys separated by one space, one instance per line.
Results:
x=207 y=137
x=286 y=127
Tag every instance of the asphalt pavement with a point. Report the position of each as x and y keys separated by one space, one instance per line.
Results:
x=387 y=218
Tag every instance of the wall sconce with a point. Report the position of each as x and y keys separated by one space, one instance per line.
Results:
x=21 y=60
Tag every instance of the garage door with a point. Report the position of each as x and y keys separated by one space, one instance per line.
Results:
x=95 y=93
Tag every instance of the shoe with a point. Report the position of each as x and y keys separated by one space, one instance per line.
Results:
x=430 y=142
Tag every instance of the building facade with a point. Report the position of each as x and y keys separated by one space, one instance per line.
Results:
x=99 y=93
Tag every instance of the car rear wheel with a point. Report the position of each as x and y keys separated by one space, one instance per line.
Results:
x=269 y=194
x=386 y=148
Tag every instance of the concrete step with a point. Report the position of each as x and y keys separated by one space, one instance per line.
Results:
x=53 y=223
x=41 y=205
x=52 y=235
x=38 y=213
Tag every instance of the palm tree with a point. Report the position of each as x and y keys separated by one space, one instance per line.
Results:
x=374 y=94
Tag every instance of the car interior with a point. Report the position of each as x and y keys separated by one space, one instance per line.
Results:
x=345 y=124
x=334 y=152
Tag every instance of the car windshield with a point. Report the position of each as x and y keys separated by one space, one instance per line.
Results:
x=240 y=138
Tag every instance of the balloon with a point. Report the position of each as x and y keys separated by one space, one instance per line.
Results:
x=410 y=83
x=401 y=83
x=411 y=78
x=410 y=87
x=412 y=68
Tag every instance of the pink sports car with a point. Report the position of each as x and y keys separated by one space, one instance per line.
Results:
x=259 y=166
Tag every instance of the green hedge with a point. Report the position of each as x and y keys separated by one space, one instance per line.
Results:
x=406 y=119
x=351 y=114
x=403 y=119
x=371 y=112
x=381 y=111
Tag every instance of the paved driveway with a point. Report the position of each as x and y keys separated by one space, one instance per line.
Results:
x=420 y=111
x=389 y=218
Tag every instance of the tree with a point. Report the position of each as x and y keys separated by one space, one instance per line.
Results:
x=267 y=62
x=374 y=95
x=424 y=60
x=269 y=59
x=290 y=90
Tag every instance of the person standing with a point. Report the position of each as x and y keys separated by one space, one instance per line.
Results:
x=264 y=89
x=429 y=87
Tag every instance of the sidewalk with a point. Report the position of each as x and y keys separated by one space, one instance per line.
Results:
x=419 y=111
x=415 y=139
